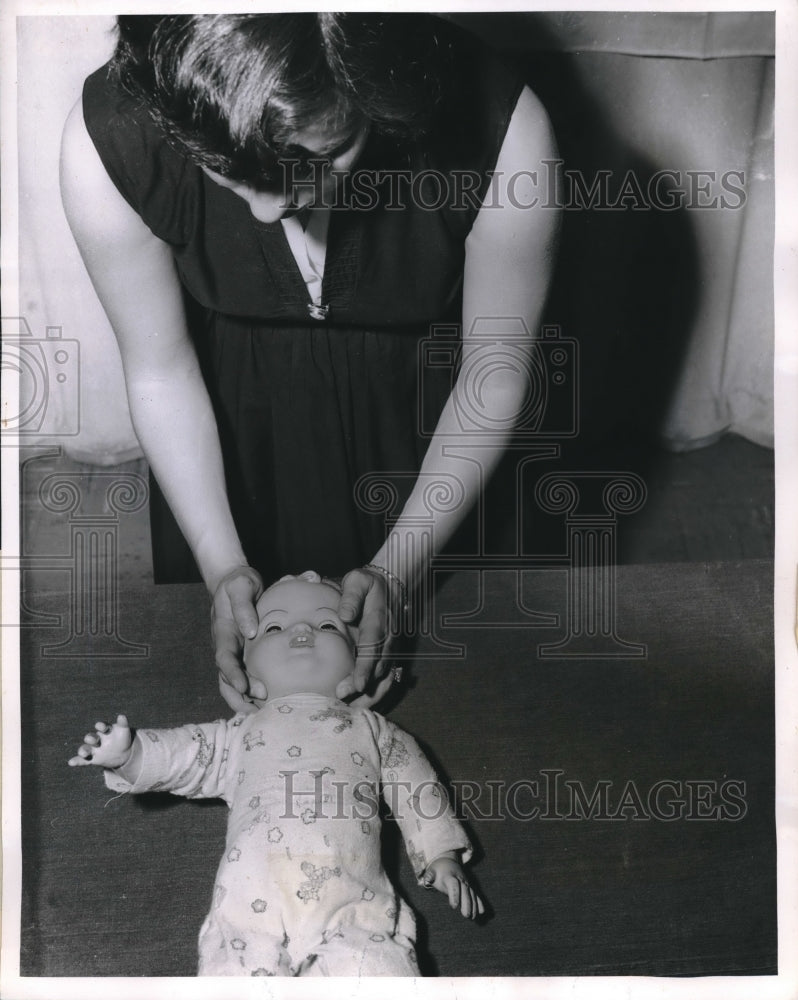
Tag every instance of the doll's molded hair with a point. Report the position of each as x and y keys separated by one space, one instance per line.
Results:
x=310 y=576
x=231 y=89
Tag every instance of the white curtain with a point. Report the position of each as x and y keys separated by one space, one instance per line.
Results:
x=686 y=92
x=55 y=54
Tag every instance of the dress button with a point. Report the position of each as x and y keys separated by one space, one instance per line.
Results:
x=318 y=311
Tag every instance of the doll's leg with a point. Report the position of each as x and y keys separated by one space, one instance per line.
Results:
x=383 y=947
x=359 y=952
x=239 y=952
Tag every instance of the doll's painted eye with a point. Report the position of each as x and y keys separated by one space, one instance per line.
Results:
x=274 y=627
x=328 y=627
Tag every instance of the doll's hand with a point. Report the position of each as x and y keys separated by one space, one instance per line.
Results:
x=447 y=876
x=233 y=618
x=109 y=746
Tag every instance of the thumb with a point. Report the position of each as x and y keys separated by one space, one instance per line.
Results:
x=355 y=588
x=242 y=593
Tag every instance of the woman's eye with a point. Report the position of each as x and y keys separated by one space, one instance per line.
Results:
x=272 y=628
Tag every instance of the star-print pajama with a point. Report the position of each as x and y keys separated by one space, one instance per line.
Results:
x=301 y=889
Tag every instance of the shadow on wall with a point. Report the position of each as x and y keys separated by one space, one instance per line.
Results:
x=626 y=281
x=626 y=284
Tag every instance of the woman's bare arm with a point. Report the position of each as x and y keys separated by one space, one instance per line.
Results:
x=134 y=275
x=509 y=261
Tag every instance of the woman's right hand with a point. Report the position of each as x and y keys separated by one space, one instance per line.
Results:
x=234 y=619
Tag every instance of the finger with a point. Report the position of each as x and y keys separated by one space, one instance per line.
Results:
x=121 y=720
x=373 y=697
x=355 y=587
x=364 y=668
x=92 y=739
x=238 y=702
x=228 y=654
x=102 y=727
x=373 y=628
x=242 y=592
x=234 y=698
x=79 y=762
x=346 y=687
x=466 y=902
x=383 y=668
x=257 y=689
x=480 y=904
x=230 y=668
x=370 y=646
x=244 y=614
x=453 y=891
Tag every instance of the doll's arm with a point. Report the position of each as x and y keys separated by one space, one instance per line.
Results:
x=424 y=815
x=112 y=746
x=190 y=760
x=447 y=875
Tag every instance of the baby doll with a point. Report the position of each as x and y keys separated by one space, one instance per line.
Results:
x=301 y=889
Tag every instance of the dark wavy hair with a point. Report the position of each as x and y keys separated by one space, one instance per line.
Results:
x=231 y=89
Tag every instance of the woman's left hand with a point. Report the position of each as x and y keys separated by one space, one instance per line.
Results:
x=365 y=604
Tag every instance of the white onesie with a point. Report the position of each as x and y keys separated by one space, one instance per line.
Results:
x=301 y=889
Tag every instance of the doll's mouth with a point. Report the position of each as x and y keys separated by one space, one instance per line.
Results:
x=298 y=641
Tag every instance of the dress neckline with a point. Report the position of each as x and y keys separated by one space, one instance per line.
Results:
x=341 y=267
x=306 y=234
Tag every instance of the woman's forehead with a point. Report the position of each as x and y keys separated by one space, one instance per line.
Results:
x=322 y=138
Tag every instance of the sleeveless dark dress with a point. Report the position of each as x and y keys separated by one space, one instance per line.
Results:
x=306 y=408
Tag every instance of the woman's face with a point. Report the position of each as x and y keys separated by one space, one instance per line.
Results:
x=313 y=183
x=301 y=645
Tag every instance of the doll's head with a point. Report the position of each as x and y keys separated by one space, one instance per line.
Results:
x=301 y=646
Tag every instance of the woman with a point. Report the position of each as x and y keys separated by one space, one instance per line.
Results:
x=274 y=210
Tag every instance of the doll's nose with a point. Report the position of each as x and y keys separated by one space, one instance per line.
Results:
x=301 y=636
